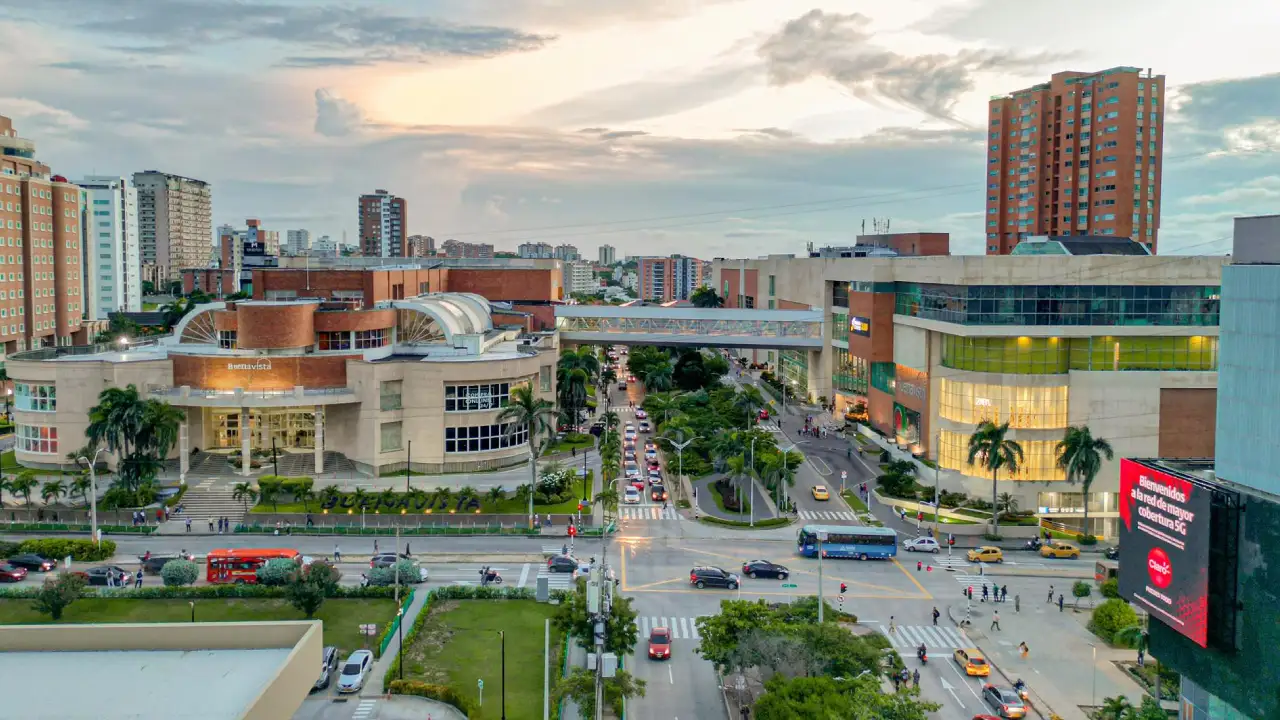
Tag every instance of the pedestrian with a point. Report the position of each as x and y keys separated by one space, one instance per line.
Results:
x=564 y=549
x=210 y=524
x=1022 y=647
x=896 y=681
x=1060 y=596
x=137 y=579
x=549 y=521
x=995 y=620
x=310 y=522
x=1142 y=657
x=915 y=677
x=1050 y=593
x=337 y=554
x=375 y=546
x=893 y=626
x=935 y=616
x=984 y=592
x=1004 y=594
x=188 y=524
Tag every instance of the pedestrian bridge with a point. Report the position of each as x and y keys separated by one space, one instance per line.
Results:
x=714 y=327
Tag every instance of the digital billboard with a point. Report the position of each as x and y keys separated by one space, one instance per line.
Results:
x=860 y=325
x=1164 y=548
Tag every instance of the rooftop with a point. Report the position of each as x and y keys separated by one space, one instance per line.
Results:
x=1080 y=245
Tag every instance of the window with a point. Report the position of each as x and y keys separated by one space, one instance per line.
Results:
x=38 y=398
x=390 y=394
x=544 y=378
x=772 y=278
x=482 y=438
x=371 y=338
x=1039 y=459
x=1060 y=304
x=473 y=398
x=391 y=434
x=226 y=339
x=38 y=439
x=840 y=294
x=1037 y=408
x=334 y=340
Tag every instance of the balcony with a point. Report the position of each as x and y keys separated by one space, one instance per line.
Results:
x=188 y=396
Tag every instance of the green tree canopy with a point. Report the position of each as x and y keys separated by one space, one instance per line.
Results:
x=825 y=698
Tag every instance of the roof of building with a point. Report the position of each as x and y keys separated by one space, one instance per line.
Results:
x=1080 y=245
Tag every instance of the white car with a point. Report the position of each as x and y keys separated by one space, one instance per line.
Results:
x=631 y=496
x=355 y=671
x=632 y=470
x=650 y=454
x=924 y=543
x=641 y=414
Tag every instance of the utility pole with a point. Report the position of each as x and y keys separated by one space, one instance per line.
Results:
x=822 y=536
x=937 y=503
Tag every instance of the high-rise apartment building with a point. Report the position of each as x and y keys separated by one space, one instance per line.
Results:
x=1078 y=155
x=538 y=251
x=111 y=255
x=608 y=255
x=580 y=277
x=670 y=278
x=175 y=224
x=566 y=252
x=297 y=242
x=459 y=249
x=41 y=219
x=242 y=252
x=421 y=246
x=383 y=223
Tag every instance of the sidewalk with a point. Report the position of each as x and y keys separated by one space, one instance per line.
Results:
x=577 y=659
x=382 y=664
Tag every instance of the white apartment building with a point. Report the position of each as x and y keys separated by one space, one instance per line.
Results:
x=297 y=242
x=541 y=250
x=175 y=223
x=566 y=252
x=110 y=247
x=580 y=277
x=608 y=255
x=324 y=246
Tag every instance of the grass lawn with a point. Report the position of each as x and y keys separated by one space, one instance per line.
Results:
x=342 y=617
x=854 y=501
x=564 y=447
x=928 y=518
x=400 y=473
x=459 y=644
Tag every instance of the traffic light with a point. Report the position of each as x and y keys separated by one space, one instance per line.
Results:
x=573 y=531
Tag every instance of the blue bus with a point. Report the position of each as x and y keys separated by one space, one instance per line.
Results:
x=848 y=541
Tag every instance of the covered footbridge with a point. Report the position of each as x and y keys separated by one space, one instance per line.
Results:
x=686 y=326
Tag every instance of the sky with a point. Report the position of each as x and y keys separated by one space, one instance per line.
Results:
x=714 y=128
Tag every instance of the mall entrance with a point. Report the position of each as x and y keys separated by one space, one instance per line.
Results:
x=289 y=427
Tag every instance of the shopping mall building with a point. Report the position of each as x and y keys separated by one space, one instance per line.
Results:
x=1095 y=333
x=331 y=378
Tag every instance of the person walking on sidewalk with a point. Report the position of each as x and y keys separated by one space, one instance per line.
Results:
x=1050 y=594
x=995 y=620
x=935 y=616
x=1060 y=596
x=188 y=524
x=337 y=554
x=1022 y=648
x=137 y=579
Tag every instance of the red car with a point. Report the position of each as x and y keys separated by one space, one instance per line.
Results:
x=660 y=644
x=638 y=483
x=12 y=573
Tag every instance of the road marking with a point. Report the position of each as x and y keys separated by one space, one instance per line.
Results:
x=811 y=573
x=913 y=580
x=938 y=638
x=683 y=628
x=814 y=460
x=671 y=675
x=364 y=709
x=952 y=689
x=524 y=575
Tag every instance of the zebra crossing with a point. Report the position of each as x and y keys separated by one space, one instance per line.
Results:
x=647 y=512
x=622 y=409
x=933 y=637
x=555 y=580
x=682 y=628
x=769 y=427
x=953 y=562
x=364 y=709
x=977 y=582
x=827 y=515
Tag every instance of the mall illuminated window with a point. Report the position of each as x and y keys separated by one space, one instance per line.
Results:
x=333 y=340
x=366 y=339
x=1196 y=352
x=472 y=398
x=482 y=438
x=1022 y=355
x=1043 y=305
x=1039 y=459
x=37 y=398
x=839 y=326
x=1022 y=407
x=37 y=439
x=850 y=372
x=794 y=365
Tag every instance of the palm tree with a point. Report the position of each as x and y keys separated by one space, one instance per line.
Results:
x=23 y=485
x=528 y=411
x=611 y=421
x=659 y=379
x=1137 y=638
x=52 y=490
x=1080 y=457
x=245 y=493
x=496 y=495
x=81 y=487
x=989 y=446
x=270 y=493
x=663 y=405
x=1116 y=708
x=748 y=400
x=304 y=495
x=706 y=297
x=608 y=499
x=329 y=494
x=1008 y=504
x=116 y=420
x=359 y=497
x=739 y=471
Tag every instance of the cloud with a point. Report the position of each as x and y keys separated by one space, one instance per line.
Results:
x=339 y=32
x=637 y=101
x=33 y=113
x=768 y=132
x=1229 y=114
x=839 y=47
x=336 y=116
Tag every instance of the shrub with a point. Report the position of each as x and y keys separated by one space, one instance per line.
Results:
x=270 y=483
x=408 y=573
x=58 y=548
x=56 y=593
x=992 y=537
x=9 y=549
x=277 y=571
x=1111 y=616
x=323 y=575
x=179 y=572
x=1081 y=589
x=1086 y=539
x=1111 y=588
x=441 y=693
x=306 y=597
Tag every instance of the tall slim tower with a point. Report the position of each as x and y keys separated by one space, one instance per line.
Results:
x=175 y=224
x=383 y=223
x=1079 y=155
x=112 y=259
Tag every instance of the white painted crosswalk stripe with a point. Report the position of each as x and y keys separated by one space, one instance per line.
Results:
x=934 y=638
x=364 y=709
x=951 y=562
x=827 y=515
x=682 y=628
x=556 y=581
x=647 y=512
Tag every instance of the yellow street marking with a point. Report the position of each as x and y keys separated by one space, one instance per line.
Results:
x=913 y=580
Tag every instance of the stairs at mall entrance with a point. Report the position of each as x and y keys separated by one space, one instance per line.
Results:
x=201 y=504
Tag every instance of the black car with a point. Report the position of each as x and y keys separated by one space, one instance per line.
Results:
x=329 y=663
x=153 y=564
x=1112 y=553
x=387 y=559
x=98 y=575
x=701 y=577
x=32 y=561
x=562 y=563
x=764 y=568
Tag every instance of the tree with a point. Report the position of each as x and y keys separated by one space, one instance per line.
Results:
x=659 y=379
x=1008 y=504
x=748 y=400
x=139 y=432
x=1111 y=617
x=580 y=687
x=245 y=493
x=721 y=633
x=269 y=493
x=1080 y=590
x=52 y=490
x=57 y=593
x=322 y=574
x=608 y=499
x=81 y=487
x=1080 y=457
x=528 y=411
x=706 y=297
x=620 y=626
x=826 y=698
x=990 y=448
x=179 y=572
x=306 y=597
x=402 y=572
x=305 y=495
x=277 y=572
x=23 y=485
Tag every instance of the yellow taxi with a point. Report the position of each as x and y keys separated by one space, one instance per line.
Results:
x=971 y=661
x=1057 y=549
x=820 y=492
x=986 y=554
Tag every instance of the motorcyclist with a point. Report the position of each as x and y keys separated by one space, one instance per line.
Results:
x=1020 y=688
x=922 y=653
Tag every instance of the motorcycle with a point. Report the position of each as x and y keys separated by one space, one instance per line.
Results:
x=1032 y=544
x=923 y=655
x=1020 y=688
x=490 y=577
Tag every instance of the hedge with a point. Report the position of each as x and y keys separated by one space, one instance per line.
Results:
x=440 y=693
x=1110 y=616
x=58 y=548
x=46 y=527
x=487 y=529
x=391 y=627
x=201 y=592
x=766 y=523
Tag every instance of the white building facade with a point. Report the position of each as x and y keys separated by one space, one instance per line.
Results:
x=580 y=277
x=297 y=242
x=111 y=250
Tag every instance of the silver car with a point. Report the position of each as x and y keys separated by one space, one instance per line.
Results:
x=355 y=671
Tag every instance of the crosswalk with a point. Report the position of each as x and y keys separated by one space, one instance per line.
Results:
x=647 y=512
x=682 y=628
x=954 y=562
x=364 y=709
x=556 y=581
x=769 y=427
x=827 y=515
x=622 y=409
x=933 y=637
x=977 y=582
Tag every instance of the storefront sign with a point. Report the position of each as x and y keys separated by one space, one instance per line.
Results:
x=860 y=326
x=911 y=390
x=256 y=365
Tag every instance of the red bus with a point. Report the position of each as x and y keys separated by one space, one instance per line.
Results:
x=241 y=564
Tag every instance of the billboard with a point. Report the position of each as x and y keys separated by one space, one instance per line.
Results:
x=1164 y=548
x=860 y=325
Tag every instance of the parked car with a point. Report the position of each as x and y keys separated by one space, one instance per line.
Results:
x=32 y=561
x=701 y=577
x=12 y=573
x=764 y=568
x=660 y=643
x=924 y=543
x=355 y=671
x=986 y=554
x=1004 y=701
x=328 y=663
x=631 y=496
x=106 y=575
x=562 y=563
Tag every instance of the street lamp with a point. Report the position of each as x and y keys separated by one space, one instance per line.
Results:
x=1094 y=699
x=503 y=637
x=782 y=485
x=93 y=499
x=680 y=448
x=400 y=632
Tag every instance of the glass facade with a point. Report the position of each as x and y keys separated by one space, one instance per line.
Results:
x=850 y=372
x=794 y=365
x=483 y=438
x=839 y=326
x=289 y=427
x=882 y=376
x=1051 y=356
x=1182 y=305
x=37 y=439
x=840 y=294
x=36 y=398
x=472 y=398
x=1038 y=408
x=1039 y=461
x=1200 y=704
